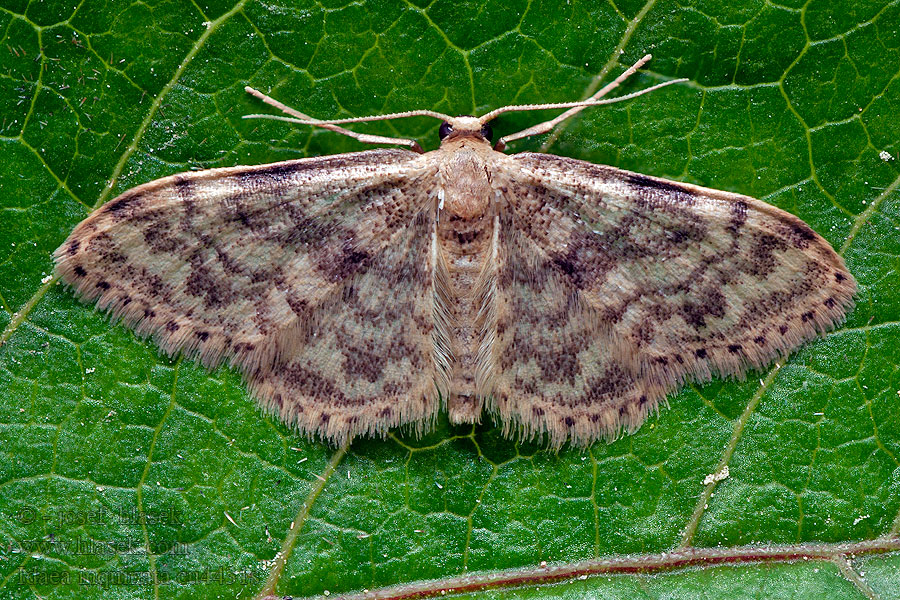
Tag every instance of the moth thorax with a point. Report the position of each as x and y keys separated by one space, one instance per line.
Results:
x=466 y=186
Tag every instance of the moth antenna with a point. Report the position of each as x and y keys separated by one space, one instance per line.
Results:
x=332 y=124
x=597 y=95
x=574 y=107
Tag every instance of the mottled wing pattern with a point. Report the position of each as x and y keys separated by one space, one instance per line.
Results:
x=557 y=368
x=615 y=288
x=251 y=263
x=366 y=362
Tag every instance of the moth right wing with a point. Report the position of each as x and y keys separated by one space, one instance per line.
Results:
x=261 y=265
x=615 y=288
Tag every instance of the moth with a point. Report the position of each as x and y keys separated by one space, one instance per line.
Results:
x=364 y=291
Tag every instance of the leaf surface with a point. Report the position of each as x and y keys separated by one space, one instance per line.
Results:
x=125 y=474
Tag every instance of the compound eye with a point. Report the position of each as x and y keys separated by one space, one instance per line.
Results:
x=487 y=133
x=445 y=130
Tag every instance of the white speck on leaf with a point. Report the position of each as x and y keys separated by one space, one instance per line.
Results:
x=714 y=477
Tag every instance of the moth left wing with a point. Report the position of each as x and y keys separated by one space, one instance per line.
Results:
x=249 y=264
x=614 y=288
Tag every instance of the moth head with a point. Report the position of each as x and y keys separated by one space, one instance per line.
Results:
x=465 y=126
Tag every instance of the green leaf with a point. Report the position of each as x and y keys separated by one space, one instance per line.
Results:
x=125 y=474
